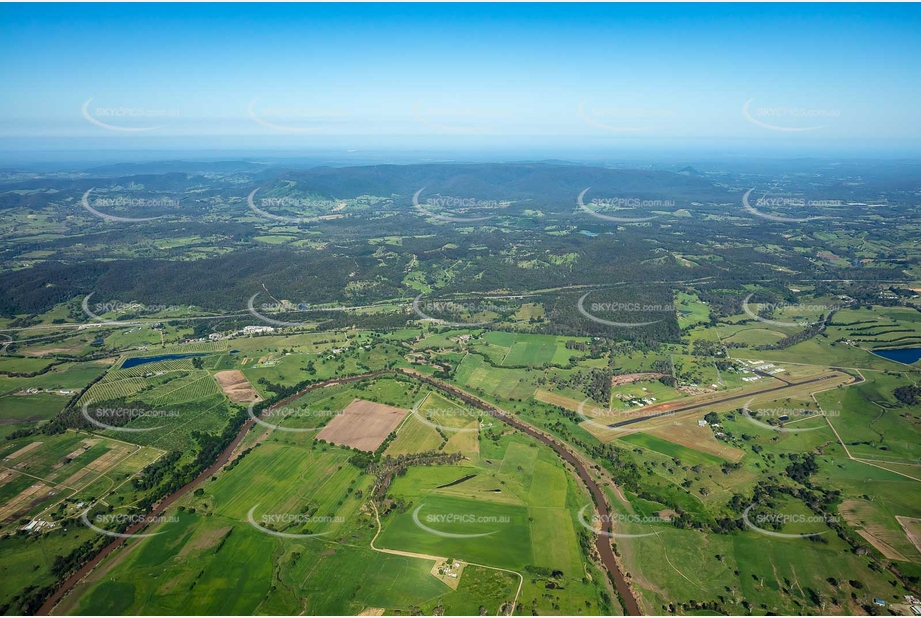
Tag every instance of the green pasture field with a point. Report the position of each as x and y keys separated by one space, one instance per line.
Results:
x=507 y=542
x=413 y=436
x=519 y=494
x=31 y=408
x=477 y=375
x=686 y=455
x=752 y=337
x=16 y=364
x=824 y=350
x=691 y=310
x=69 y=376
x=774 y=575
x=871 y=421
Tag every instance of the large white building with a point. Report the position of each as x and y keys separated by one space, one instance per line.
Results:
x=250 y=330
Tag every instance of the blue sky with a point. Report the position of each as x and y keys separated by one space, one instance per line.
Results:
x=817 y=78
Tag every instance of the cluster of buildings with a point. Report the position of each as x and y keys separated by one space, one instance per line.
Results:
x=633 y=400
x=247 y=330
x=451 y=569
x=714 y=426
x=54 y=391
x=757 y=365
x=38 y=524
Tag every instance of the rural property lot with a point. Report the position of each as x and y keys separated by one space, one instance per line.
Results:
x=363 y=425
x=236 y=386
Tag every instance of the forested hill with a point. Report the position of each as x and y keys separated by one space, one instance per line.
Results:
x=507 y=181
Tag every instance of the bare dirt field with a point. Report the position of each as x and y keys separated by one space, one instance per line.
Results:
x=6 y=476
x=21 y=503
x=363 y=425
x=236 y=386
x=73 y=349
x=912 y=528
x=23 y=450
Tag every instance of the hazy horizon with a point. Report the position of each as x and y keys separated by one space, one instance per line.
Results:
x=522 y=81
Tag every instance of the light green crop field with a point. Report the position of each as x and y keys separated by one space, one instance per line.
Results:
x=671 y=449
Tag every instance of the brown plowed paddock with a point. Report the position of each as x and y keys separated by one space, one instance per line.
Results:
x=630 y=378
x=23 y=450
x=99 y=465
x=363 y=425
x=236 y=386
x=24 y=501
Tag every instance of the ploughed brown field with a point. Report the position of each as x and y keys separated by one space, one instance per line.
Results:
x=363 y=425
x=236 y=386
